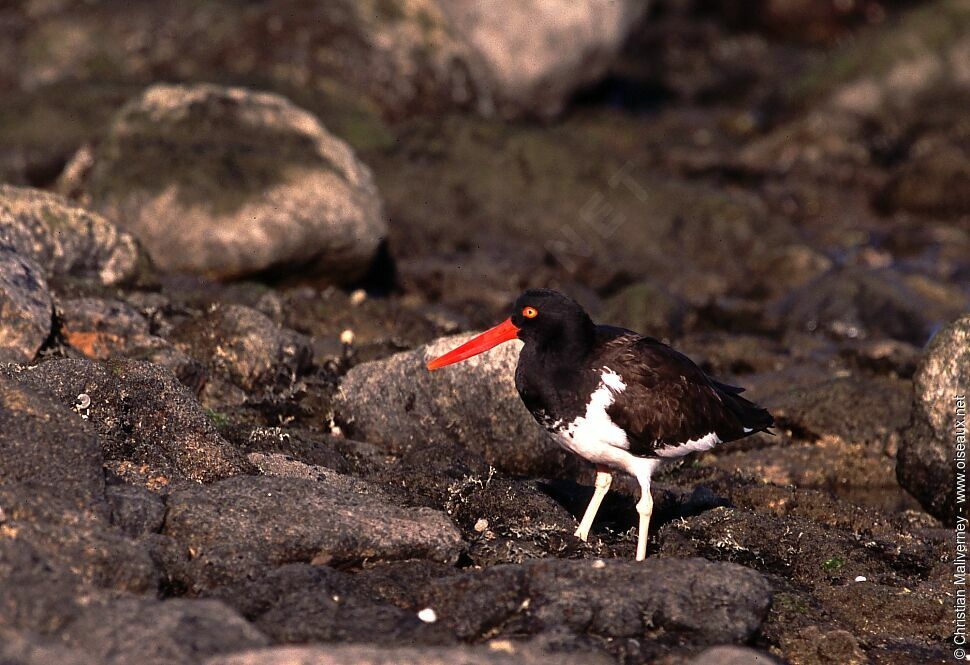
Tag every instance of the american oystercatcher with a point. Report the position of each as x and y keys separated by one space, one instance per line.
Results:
x=621 y=400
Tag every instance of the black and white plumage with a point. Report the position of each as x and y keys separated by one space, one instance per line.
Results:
x=621 y=400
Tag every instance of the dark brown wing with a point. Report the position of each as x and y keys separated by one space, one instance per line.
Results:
x=668 y=400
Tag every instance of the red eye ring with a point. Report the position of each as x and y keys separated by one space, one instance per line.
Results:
x=530 y=312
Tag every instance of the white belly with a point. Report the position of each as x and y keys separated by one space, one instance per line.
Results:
x=594 y=436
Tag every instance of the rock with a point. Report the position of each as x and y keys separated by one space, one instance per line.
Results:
x=399 y=404
x=135 y=510
x=276 y=465
x=104 y=329
x=688 y=601
x=731 y=655
x=935 y=178
x=814 y=645
x=239 y=527
x=926 y=464
x=498 y=652
x=18 y=648
x=227 y=182
x=34 y=594
x=884 y=83
x=143 y=416
x=173 y=632
x=299 y=603
x=843 y=409
x=72 y=539
x=858 y=303
x=400 y=57
x=363 y=58
x=795 y=541
x=25 y=307
x=45 y=445
x=65 y=240
x=537 y=53
x=245 y=347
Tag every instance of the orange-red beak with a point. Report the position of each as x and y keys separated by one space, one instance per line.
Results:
x=503 y=332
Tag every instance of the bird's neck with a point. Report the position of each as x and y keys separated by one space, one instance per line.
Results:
x=568 y=346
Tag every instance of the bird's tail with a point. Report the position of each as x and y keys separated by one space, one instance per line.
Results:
x=752 y=416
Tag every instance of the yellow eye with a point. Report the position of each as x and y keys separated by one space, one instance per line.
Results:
x=530 y=312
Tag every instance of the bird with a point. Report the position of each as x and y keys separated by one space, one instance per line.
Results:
x=621 y=400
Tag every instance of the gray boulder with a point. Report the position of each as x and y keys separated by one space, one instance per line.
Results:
x=399 y=404
x=25 y=307
x=228 y=182
x=64 y=239
x=242 y=526
x=926 y=462
x=536 y=53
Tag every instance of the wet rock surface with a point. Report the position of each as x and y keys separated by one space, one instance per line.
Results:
x=261 y=470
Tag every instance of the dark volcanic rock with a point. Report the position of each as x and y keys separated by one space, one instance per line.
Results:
x=25 y=307
x=143 y=416
x=299 y=603
x=20 y=648
x=135 y=510
x=34 y=594
x=149 y=632
x=499 y=653
x=806 y=540
x=227 y=182
x=63 y=239
x=661 y=601
x=858 y=303
x=45 y=445
x=398 y=403
x=245 y=347
x=76 y=540
x=104 y=329
x=849 y=409
x=241 y=526
x=926 y=464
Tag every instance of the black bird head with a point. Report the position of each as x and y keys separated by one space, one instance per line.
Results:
x=540 y=317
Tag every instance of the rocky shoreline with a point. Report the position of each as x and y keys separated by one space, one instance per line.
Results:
x=218 y=442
